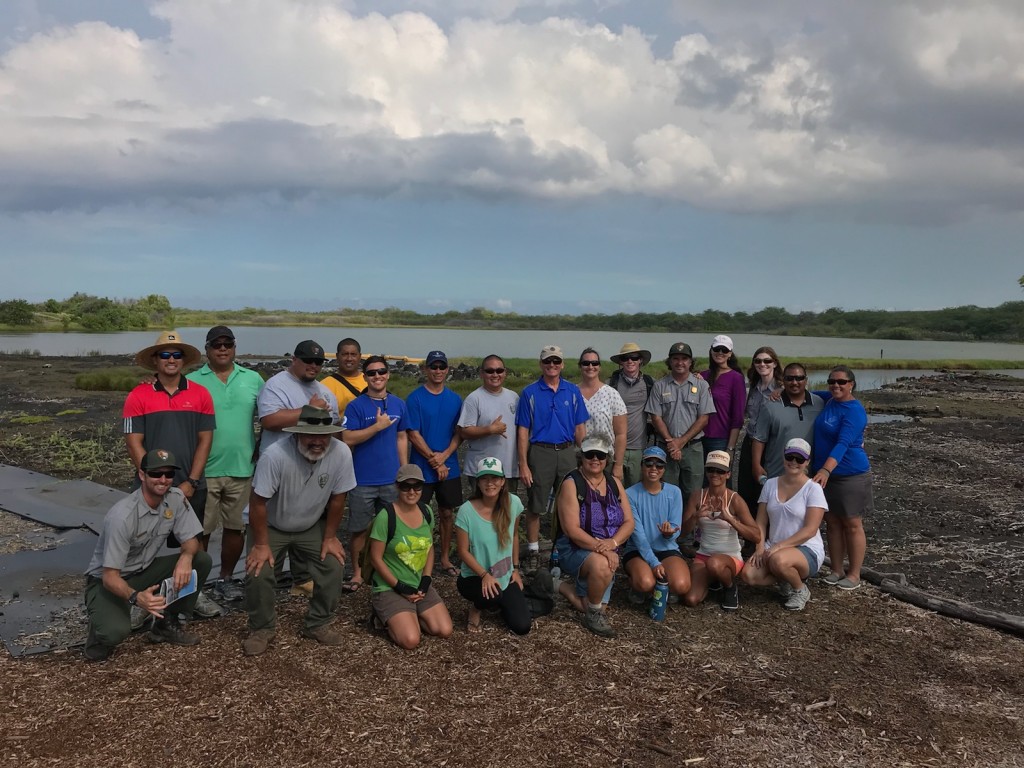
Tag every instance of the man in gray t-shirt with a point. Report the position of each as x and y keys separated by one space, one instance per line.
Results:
x=633 y=385
x=487 y=422
x=285 y=393
x=295 y=481
x=781 y=420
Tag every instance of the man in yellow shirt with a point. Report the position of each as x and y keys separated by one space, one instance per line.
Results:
x=348 y=383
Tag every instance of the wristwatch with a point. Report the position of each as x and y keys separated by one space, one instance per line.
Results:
x=133 y=598
x=194 y=482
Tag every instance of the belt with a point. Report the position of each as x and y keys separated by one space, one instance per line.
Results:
x=557 y=446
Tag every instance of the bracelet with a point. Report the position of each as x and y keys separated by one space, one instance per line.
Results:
x=827 y=470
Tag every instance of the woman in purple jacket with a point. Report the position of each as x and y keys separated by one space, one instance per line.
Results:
x=728 y=390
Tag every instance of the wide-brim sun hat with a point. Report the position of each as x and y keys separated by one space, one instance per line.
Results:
x=631 y=348
x=312 y=422
x=168 y=340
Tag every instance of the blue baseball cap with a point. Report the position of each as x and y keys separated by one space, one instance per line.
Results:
x=436 y=356
x=654 y=452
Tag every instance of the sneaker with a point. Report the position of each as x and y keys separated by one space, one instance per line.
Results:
x=848 y=584
x=95 y=650
x=206 y=608
x=326 y=634
x=597 y=622
x=833 y=578
x=785 y=590
x=731 y=598
x=138 y=617
x=531 y=562
x=228 y=590
x=637 y=598
x=798 y=599
x=257 y=642
x=170 y=631
x=715 y=586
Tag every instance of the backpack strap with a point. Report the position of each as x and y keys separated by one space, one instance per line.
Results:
x=347 y=384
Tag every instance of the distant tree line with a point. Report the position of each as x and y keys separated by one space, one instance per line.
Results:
x=90 y=313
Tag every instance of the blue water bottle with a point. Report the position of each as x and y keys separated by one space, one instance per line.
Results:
x=659 y=600
x=556 y=571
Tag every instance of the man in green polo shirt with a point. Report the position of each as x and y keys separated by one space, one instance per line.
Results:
x=229 y=469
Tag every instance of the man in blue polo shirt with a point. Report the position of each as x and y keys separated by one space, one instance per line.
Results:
x=549 y=426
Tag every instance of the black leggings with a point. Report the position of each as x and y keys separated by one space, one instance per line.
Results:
x=511 y=601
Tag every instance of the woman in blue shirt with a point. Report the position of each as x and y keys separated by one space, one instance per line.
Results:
x=842 y=470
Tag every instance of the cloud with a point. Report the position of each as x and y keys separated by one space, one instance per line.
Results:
x=915 y=102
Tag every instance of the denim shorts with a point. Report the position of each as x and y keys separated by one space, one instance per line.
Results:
x=812 y=560
x=571 y=560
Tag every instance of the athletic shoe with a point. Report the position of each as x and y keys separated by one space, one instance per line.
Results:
x=531 y=562
x=138 y=617
x=731 y=598
x=206 y=608
x=848 y=585
x=715 y=586
x=228 y=590
x=833 y=578
x=257 y=642
x=597 y=622
x=168 y=630
x=785 y=590
x=637 y=598
x=798 y=599
x=327 y=634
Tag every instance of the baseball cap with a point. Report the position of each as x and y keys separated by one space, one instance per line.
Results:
x=551 y=351
x=654 y=452
x=408 y=472
x=596 y=443
x=799 y=445
x=219 y=331
x=680 y=348
x=721 y=340
x=159 y=457
x=490 y=466
x=310 y=349
x=720 y=460
x=436 y=356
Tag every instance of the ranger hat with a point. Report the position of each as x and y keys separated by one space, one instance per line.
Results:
x=631 y=348
x=168 y=340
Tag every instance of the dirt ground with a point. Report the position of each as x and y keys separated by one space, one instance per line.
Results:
x=857 y=679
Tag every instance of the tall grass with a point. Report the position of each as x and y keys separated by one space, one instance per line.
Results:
x=108 y=380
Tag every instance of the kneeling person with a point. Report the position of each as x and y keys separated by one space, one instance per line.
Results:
x=295 y=480
x=125 y=569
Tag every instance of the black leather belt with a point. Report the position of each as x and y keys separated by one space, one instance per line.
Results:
x=557 y=446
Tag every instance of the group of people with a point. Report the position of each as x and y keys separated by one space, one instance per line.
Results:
x=634 y=471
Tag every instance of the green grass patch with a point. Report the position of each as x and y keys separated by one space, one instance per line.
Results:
x=72 y=412
x=108 y=380
x=26 y=419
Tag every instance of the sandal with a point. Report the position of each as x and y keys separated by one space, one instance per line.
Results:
x=473 y=627
x=351 y=586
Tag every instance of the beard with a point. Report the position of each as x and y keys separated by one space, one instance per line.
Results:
x=309 y=454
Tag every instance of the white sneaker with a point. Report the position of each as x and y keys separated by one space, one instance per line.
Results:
x=798 y=599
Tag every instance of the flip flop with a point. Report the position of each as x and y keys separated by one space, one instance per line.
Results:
x=473 y=627
x=450 y=570
x=351 y=586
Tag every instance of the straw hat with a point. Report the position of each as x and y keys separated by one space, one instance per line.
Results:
x=168 y=340
x=631 y=348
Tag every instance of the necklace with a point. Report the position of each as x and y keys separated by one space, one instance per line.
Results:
x=596 y=486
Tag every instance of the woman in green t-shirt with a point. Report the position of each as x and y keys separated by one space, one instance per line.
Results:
x=485 y=535
x=403 y=598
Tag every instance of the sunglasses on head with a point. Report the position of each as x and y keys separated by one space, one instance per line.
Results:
x=552 y=361
x=590 y=363
x=599 y=455
x=838 y=382
x=796 y=457
x=312 y=360
x=633 y=358
x=716 y=471
x=763 y=361
x=439 y=367
x=376 y=372
x=314 y=420
x=793 y=377
x=157 y=474
x=721 y=350
x=654 y=464
x=221 y=345
x=494 y=370
x=168 y=355
x=414 y=486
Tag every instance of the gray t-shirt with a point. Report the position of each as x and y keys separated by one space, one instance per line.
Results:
x=779 y=422
x=479 y=409
x=635 y=398
x=679 y=405
x=282 y=393
x=297 y=491
x=133 y=532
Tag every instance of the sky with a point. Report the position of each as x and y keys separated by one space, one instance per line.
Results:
x=528 y=156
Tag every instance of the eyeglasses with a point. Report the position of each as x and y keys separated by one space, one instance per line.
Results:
x=763 y=361
x=167 y=355
x=839 y=382
x=314 y=420
x=158 y=474
x=221 y=345
x=552 y=361
x=794 y=378
x=721 y=350
x=312 y=360
x=590 y=363
x=494 y=370
x=654 y=464
x=439 y=367
x=716 y=471
x=376 y=372
x=409 y=487
x=599 y=455
x=796 y=457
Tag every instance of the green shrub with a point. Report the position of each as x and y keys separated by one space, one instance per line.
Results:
x=109 y=380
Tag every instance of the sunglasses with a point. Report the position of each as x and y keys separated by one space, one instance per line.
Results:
x=716 y=471
x=221 y=345
x=166 y=355
x=439 y=367
x=315 y=420
x=721 y=350
x=494 y=370
x=552 y=361
x=312 y=360
x=633 y=358
x=409 y=487
x=157 y=474
x=763 y=361
x=590 y=363
x=839 y=382
x=795 y=378
x=376 y=372
x=795 y=457
x=654 y=464
x=599 y=455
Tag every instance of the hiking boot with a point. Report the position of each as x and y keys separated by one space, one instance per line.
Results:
x=206 y=608
x=95 y=650
x=228 y=590
x=257 y=642
x=138 y=617
x=326 y=634
x=597 y=622
x=170 y=631
x=531 y=562
x=731 y=597
x=798 y=599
